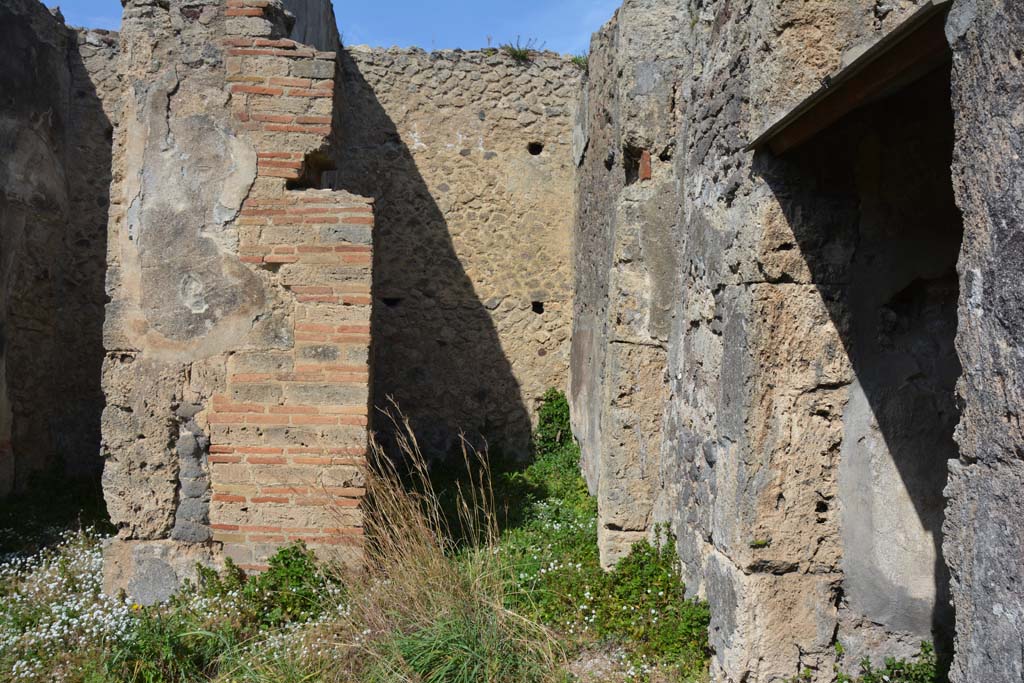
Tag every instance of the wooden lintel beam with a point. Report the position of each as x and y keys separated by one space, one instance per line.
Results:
x=909 y=52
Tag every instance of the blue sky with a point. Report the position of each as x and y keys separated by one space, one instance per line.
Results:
x=560 y=25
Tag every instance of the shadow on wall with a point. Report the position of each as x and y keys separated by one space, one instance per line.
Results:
x=435 y=348
x=82 y=279
x=55 y=157
x=871 y=204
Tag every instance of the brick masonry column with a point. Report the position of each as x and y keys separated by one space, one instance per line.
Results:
x=289 y=433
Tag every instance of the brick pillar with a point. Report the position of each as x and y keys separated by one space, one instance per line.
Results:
x=289 y=433
x=237 y=332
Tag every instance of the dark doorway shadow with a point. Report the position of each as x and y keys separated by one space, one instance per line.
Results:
x=56 y=141
x=83 y=270
x=435 y=349
x=870 y=202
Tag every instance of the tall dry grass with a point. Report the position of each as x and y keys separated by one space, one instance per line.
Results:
x=430 y=605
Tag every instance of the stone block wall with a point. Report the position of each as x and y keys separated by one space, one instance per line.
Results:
x=468 y=157
x=238 y=330
x=762 y=348
x=625 y=263
x=800 y=409
x=289 y=432
x=984 y=538
x=60 y=93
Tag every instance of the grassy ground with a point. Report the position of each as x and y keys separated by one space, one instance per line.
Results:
x=489 y=577
x=485 y=576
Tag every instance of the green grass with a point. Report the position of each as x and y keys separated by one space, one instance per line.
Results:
x=290 y=590
x=495 y=603
x=506 y=603
x=923 y=668
x=521 y=53
x=639 y=606
x=462 y=649
x=548 y=550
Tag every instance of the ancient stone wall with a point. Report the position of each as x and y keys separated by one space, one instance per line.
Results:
x=803 y=391
x=237 y=334
x=467 y=155
x=625 y=262
x=984 y=538
x=807 y=364
x=314 y=24
x=59 y=94
x=95 y=104
x=881 y=245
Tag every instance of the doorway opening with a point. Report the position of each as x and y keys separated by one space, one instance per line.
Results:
x=862 y=170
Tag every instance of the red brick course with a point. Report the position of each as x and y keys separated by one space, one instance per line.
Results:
x=289 y=428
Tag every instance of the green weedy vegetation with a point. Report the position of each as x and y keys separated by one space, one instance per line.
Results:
x=924 y=668
x=519 y=52
x=449 y=595
x=640 y=605
x=200 y=631
x=582 y=61
x=291 y=590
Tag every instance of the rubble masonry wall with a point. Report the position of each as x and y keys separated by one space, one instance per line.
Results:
x=467 y=155
x=237 y=334
x=762 y=347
